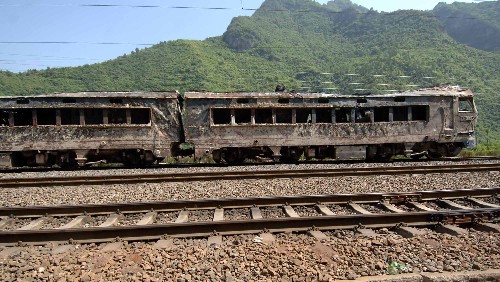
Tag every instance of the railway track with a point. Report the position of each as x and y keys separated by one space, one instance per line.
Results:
x=404 y=212
x=269 y=163
x=262 y=174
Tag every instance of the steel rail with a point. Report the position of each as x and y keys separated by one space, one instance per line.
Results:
x=195 y=229
x=238 y=175
x=270 y=163
x=390 y=197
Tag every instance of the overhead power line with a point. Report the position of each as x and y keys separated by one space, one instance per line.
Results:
x=76 y=42
x=316 y=11
x=44 y=58
x=47 y=60
x=105 y=6
x=207 y=46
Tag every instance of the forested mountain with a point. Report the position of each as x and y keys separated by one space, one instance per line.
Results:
x=473 y=24
x=341 y=5
x=338 y=47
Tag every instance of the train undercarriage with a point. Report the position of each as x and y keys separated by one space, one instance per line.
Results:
x=232 y=155
x=77 y=158
x=380 y=152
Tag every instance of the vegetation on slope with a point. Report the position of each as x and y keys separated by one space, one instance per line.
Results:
x=473 y=24
x=338 y=47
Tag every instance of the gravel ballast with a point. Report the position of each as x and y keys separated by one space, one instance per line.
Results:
x=100 y=194
x=241 y=258
x=247 y=167
x=292 y=257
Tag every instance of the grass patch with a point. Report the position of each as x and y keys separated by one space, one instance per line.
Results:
x=491 y=149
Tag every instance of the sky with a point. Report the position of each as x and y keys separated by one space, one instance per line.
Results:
x=37 y=34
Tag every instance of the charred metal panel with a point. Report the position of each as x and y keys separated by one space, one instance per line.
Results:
x=156 y=132
x=428 y=116
x=312 y=134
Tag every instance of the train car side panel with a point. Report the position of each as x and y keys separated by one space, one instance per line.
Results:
x=54 y=129
x=410 y=122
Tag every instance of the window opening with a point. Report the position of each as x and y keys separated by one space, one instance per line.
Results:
x=23 y=117
x=323 y=100
x=400 y=114
x=283 y=101
x=221 y=116
x=69 y=100
x=263 y=116
x=324 y=115
x=23 y=101
x=140 y=116
x=362 y=100
x=465 y=105
x=399 y=99
x=362 y=116
x=304 y=115
x=4 y=118
x=343 y=115
x=243 y=116
x=46 y=116
x=116 y=100
x=284 y=116
x=70 y=117
x=381 y=114
x=94 y=116
x=242 y=101
x=419 y=113
x=117 y=116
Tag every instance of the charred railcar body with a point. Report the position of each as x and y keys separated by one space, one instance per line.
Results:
x=141 y=128
x=80 y=128
x=232 y=127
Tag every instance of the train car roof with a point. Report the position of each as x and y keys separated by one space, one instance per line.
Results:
x=436 y=91
x=135 y=95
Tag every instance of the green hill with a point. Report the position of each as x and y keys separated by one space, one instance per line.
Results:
x=341 y=5
x=473 y=24
x=338 y=47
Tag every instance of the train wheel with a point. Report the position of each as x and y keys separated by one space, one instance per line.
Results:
x=67 y=160
x=384 y=157
x=17 y=160
x=452 y=150
x=217 y=156
x=231 y=156
x=437 y=151
x=149 y=158
x=291 y=155
x=384 y=153
x=433 y=155
x=417 y=156
x=132 y=159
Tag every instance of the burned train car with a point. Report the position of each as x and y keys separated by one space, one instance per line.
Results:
x=231 y=127
x=80 y=128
